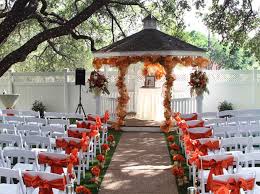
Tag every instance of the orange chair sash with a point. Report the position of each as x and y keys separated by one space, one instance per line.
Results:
x=199 y=124
x=45 y=187
x=83 y=124
x=193 y=117
x=70 y=145
x=220 y=187
x=216 y=167
x=75 y=134
x=207 y=134
x=106 y=117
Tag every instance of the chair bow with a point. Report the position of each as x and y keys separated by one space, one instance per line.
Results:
x=84 y=142
x=206 y=134
x=216 y=167
x=220 y=187
x=55 y=164
x=94 y=131
x=106 y=117
x=45 y=186
x=68 y=146
x=210 y=145
x=198 y=124
x=72 y=160
x=98 y=122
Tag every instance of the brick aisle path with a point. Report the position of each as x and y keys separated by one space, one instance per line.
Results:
x=140 y=165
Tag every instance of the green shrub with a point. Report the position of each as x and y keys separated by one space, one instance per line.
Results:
x=225 y=106
x=39 y=106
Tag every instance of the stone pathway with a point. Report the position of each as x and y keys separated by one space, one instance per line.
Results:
x=140 y=165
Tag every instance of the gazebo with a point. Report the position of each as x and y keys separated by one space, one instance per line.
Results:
x=149 y=46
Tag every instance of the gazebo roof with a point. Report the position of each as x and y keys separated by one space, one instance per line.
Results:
x=149 y=41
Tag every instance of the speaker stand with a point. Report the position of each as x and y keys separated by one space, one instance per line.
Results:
x=80 y=107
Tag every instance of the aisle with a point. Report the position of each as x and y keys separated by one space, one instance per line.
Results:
x=140 y=165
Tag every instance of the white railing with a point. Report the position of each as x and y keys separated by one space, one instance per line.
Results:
x=109 y=103
x=184 y=105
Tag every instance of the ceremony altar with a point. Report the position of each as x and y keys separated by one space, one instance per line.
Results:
x=150 y=104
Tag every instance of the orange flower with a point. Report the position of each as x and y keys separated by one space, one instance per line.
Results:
x=170 y=138
x=105 y=147
x=178 y=157
x=178 y=171
x=95 y=170
x=101 y=158
x=82 y=190
x=110 y=138
x=175 y=147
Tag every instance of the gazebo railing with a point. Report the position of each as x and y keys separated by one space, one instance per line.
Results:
x=184 y=105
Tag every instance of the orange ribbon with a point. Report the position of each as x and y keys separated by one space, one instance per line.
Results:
x=75 y=134
x=70 y=145
x=72 y=160
x=45 y=186
x=207 y=134
x=220 y=187
x=98 y=122
x=216 y=167
x=210 y=145
x=94 y=131
x=199 y=124
x=194 y=117
x=83 y=124
x=106 y=117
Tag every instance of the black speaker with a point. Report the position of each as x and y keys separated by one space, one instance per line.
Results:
x=80 y=76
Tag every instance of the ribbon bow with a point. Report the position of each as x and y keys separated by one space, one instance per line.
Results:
x=84 y=142
x=207 y=134
x=55 y=164
x=67 y=146
x=45 y=186
x=220 y=187
x=210 y=145
x=106 y=116
x=98 y=122
x=216 y=168
x=72 y=160
x=94 y=131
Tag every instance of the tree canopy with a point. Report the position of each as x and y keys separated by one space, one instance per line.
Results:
x=55 y=34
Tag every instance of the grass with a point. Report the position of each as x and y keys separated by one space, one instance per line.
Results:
x=86 y=180
x=182 y=189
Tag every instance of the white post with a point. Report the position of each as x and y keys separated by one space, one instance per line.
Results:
x=254 y=87
x=98 y=104
x=135 y=88
x=199 y=100
x=66 y=90
x=11 y=81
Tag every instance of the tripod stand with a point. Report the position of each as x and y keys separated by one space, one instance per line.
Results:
x=80 y=107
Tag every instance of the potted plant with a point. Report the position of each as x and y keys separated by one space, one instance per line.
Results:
x=225 y=106
x=39 y=106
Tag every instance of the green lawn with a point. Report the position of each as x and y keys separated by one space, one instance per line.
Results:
x=86 y=180
x=182 y=189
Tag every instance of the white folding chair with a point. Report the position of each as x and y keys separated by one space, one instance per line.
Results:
x=208 y=115
x=9 y=187
x=45 y=177
x=7 y=128
x=60 y=156
x=59 y=123
x=10 y=141
x=37 y=143
x=14 y=120
x=35 y=121
x=235 y=143
x=29 y=113
x=28 y=129
x=246 y=176
x=12 y=112
x=54 y=115
x=25 y=159
x=216 y=122
x=248 y=163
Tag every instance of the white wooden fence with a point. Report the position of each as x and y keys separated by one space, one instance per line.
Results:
x=59 y=93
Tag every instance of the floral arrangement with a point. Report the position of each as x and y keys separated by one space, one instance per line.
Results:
x=178 y=162
x=95 y=171
x=153 y=70
x=101 y=160
x=105 y=148
x=111 y=140
x=167 y=62
x=198 y=82
x=82 y=190
x=98 y=83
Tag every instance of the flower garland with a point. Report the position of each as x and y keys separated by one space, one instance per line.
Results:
x=153 y=70
x=168 y=63
x=98 y=83
x=198 y=82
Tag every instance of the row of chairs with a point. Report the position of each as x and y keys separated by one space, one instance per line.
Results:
x=230 y=113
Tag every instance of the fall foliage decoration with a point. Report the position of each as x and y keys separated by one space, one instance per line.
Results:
x=156 y=70
x=163 y=65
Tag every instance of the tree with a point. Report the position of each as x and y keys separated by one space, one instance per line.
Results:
x=52 y=25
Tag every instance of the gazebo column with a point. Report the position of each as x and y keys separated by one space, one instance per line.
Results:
x=168 y=63
x=123 y=97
